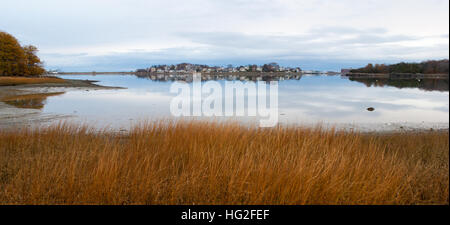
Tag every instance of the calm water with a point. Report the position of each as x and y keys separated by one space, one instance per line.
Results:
x=307 y=100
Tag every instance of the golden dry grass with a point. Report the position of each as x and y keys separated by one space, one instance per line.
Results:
x=9 y=81
x=221 y=163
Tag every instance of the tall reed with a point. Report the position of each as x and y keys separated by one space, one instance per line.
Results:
x=221 y=163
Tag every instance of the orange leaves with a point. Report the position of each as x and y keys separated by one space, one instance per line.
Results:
x=18 y=61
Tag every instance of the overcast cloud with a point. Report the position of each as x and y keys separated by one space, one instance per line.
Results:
x=86 y=35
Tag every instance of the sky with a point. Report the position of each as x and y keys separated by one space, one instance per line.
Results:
x=119 y=35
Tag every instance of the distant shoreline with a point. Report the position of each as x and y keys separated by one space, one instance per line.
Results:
x=89 y=73
x=397 y=75
x=178 y=73
x=365 y=75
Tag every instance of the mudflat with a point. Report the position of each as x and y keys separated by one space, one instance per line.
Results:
x=20 y=104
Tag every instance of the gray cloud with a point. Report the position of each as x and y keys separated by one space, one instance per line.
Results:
x=90 y=35
x=311 y=39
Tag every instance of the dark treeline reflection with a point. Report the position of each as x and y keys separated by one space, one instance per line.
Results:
x=423 y=84
x=428 y=84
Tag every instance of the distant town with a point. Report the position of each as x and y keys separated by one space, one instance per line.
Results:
x=184 y=68
x=189 y=68
x=430 y=68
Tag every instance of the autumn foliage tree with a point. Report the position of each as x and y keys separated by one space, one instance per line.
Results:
x=16 y=60
x=34 y=64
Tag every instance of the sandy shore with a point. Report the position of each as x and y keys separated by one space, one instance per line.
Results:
x=11 y=116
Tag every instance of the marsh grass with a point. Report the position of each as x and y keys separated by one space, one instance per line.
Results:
x=11 y=81
x=221 y=163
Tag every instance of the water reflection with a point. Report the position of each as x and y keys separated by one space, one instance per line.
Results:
x=428 y=84
x=30 y=101
x=222 y=76
x=423 y=84
x=306 y=99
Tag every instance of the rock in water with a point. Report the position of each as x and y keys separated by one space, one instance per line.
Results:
x=370 y=109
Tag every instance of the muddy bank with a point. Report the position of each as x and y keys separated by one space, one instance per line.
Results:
x=20 y=105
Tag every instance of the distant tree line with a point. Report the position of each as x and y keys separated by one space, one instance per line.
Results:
x=16 y=60
x=427 y=67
